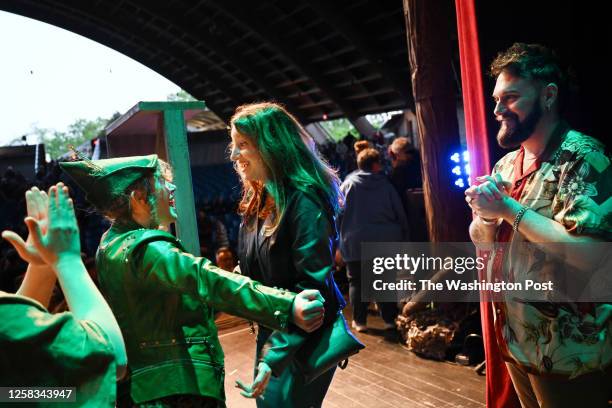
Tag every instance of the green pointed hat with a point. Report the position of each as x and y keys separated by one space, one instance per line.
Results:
x=105 y=180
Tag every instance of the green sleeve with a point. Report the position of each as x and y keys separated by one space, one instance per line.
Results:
x=312 y=257
x=163 y=263
x=55 y=350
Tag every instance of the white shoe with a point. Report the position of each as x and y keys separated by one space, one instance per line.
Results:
x=360 y=328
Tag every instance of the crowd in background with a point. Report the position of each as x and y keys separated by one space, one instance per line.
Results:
x=218 y=222
x=384 y=174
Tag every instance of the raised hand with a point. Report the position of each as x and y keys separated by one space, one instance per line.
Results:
x=308 y=311
x=37 y=204
x=61 y=240
x=256 y=390
x=60 y=248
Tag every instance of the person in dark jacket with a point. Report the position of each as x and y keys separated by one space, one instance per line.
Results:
x=289 y=204
x=373 y=212
x=406 y=166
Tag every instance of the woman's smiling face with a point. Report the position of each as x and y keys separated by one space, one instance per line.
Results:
x=244 y=153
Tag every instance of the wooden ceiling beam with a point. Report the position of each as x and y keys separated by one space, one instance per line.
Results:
x=219 y=45
x=276 y=40
x=336 y=18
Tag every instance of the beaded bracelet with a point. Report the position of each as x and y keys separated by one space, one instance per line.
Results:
x=517 y=219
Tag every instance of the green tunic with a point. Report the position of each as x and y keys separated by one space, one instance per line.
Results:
x=163 y=299
x=38 y=349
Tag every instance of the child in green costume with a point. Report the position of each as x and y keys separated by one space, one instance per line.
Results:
x=162 y=296
x=83 y=348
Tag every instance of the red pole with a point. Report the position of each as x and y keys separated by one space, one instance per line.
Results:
x=471 y=79
x=499 y=389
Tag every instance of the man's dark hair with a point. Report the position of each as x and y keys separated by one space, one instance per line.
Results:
x=530 y=61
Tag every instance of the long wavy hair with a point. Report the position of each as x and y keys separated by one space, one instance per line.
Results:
x=291 y=159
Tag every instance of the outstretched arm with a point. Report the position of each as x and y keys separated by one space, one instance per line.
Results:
x=60 y=248
x=38 y=284
x=163 y=263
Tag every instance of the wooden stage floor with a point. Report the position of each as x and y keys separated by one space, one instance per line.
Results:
x=382 y=375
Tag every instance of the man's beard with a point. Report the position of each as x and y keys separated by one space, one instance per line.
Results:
x=511 y=136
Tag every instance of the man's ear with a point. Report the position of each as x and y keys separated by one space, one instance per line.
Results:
x=551 y=94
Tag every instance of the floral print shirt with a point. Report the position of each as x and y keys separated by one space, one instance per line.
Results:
x=572 y=184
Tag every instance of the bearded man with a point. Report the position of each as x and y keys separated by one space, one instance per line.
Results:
x=554 y=188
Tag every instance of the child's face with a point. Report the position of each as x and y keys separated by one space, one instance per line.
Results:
x=166 y=208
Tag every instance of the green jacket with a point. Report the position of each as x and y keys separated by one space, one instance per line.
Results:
x=163 y=299
x=40 y=349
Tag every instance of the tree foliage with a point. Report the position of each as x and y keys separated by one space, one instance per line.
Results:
x=57 y=143
x=180 y=96
x=338 y=128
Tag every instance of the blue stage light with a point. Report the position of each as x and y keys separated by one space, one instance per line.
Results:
x=460 y=166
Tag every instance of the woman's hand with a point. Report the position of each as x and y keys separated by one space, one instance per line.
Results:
x=256 y=390
x=37 y=207
x=308 y=312
x=61 y=240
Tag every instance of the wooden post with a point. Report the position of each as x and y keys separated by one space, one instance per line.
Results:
x=175 y=137
x=159 y=127
x=429 y=29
